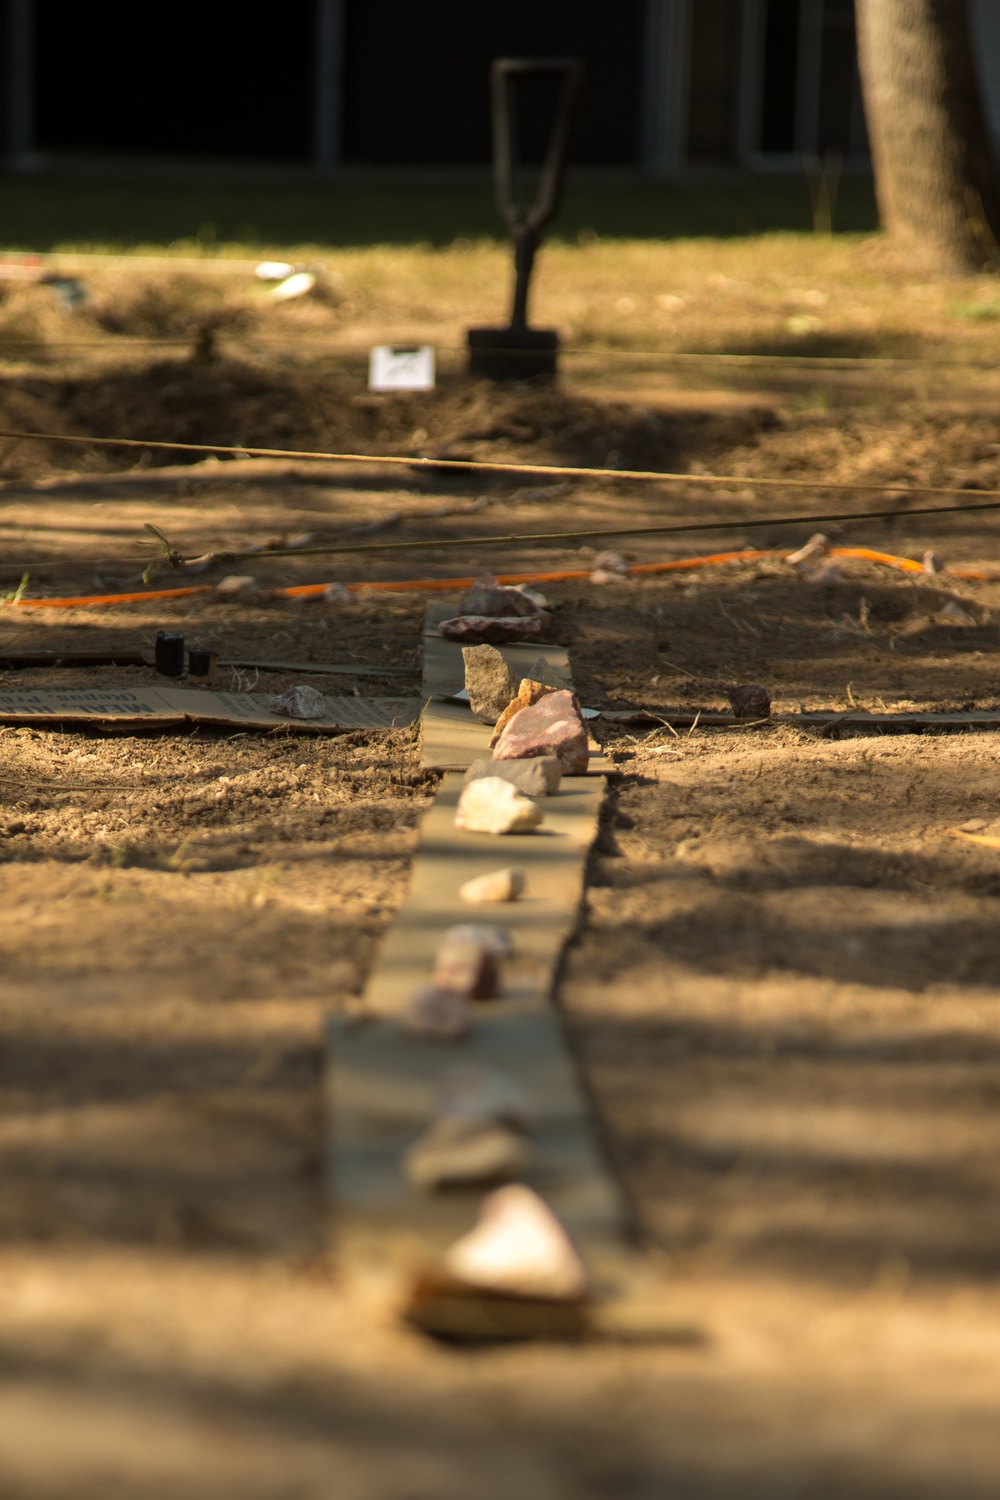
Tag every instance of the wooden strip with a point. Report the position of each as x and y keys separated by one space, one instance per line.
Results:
x=686 y=718
x=382 y=1085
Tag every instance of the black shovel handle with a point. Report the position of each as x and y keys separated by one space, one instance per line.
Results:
x=503 y=75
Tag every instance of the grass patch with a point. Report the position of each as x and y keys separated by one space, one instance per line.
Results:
x=45 y=214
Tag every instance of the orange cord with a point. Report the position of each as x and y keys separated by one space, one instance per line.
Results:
x=449 y=585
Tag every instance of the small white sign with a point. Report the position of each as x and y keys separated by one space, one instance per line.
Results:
x=401 y=367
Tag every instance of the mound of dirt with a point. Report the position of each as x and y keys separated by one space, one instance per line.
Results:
x=235 y=403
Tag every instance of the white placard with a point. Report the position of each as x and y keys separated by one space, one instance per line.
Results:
x=401 y=367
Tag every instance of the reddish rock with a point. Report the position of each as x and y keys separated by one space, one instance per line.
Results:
x=552 y=726
x=487 y=597
x=528 y=692
x=473 y=629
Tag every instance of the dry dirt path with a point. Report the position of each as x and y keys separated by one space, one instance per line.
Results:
x=784 y=1001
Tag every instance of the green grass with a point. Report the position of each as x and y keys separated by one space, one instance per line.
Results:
x=44 y=214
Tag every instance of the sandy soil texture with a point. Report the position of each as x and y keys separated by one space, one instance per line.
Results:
x=783 y=995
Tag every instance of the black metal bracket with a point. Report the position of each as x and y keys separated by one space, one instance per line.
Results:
x=519 y=351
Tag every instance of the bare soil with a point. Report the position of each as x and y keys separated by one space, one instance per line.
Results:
x=783 y=996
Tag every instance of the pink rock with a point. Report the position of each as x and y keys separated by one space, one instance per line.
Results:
x=474 y=629
x=552 y=726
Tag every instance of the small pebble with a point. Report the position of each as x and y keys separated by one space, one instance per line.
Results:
x=466 y=966
x=535 y=778
x=492 y=805
x=459 y=1150
x=518 y=1246
x=300 y=702
x=498 y=885
x=235 y=584
x=435 y=1015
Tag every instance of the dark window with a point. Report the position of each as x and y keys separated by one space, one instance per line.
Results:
x=417 y=75
x=195 y=77
x=781 y=52
x=712 y=80
x=838 y=76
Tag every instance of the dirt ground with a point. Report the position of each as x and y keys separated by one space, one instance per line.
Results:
x=783 y=994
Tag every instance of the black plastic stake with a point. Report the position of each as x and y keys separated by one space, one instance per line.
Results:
x=169 y=658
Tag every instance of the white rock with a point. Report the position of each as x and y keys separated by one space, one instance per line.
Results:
x=498 y=885
x=460 y=1149
x=235 y=583
x=300 y=702
x=538 y=777
x=300 y=284
x=492 y=805
x=518 y=1246
x=816 y=547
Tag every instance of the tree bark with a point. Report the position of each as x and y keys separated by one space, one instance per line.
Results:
x=935 y=175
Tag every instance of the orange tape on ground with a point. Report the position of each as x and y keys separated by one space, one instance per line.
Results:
x=449 y=585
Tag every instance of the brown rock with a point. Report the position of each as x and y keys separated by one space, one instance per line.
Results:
x=751 y=701
x=552 y=726
x=489 y=682
x=528 y=692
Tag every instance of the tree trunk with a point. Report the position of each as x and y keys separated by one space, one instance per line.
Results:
x=935 y=175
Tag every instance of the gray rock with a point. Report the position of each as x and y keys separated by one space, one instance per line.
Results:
x=435 y=1015
x=535 y=778
x=489 y=682
x=301 y=702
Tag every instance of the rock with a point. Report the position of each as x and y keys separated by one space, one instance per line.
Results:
x=466 y=966
x=542 y=670
x=535 y=778
x=528 y=692
x=498 y=885
x=487 y=934
x=492 y=805
x=750 y=702
x=932 y=563
x=435 y=1015
x=459 y=1149
x=519 y=1247
x=483 y=1093
x=476 y=628
x=235 y=584
x=489 y=682
x=487 y=597
x=817 y=546
x=827 y=572
x=552 y=726
x=336 y=593
x=609 y=567
x=300 y=702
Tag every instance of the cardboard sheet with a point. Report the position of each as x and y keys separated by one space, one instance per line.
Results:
x=382 y=1085
x=156 y=707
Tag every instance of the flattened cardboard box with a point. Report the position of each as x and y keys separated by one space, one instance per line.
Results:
x=154 y=708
